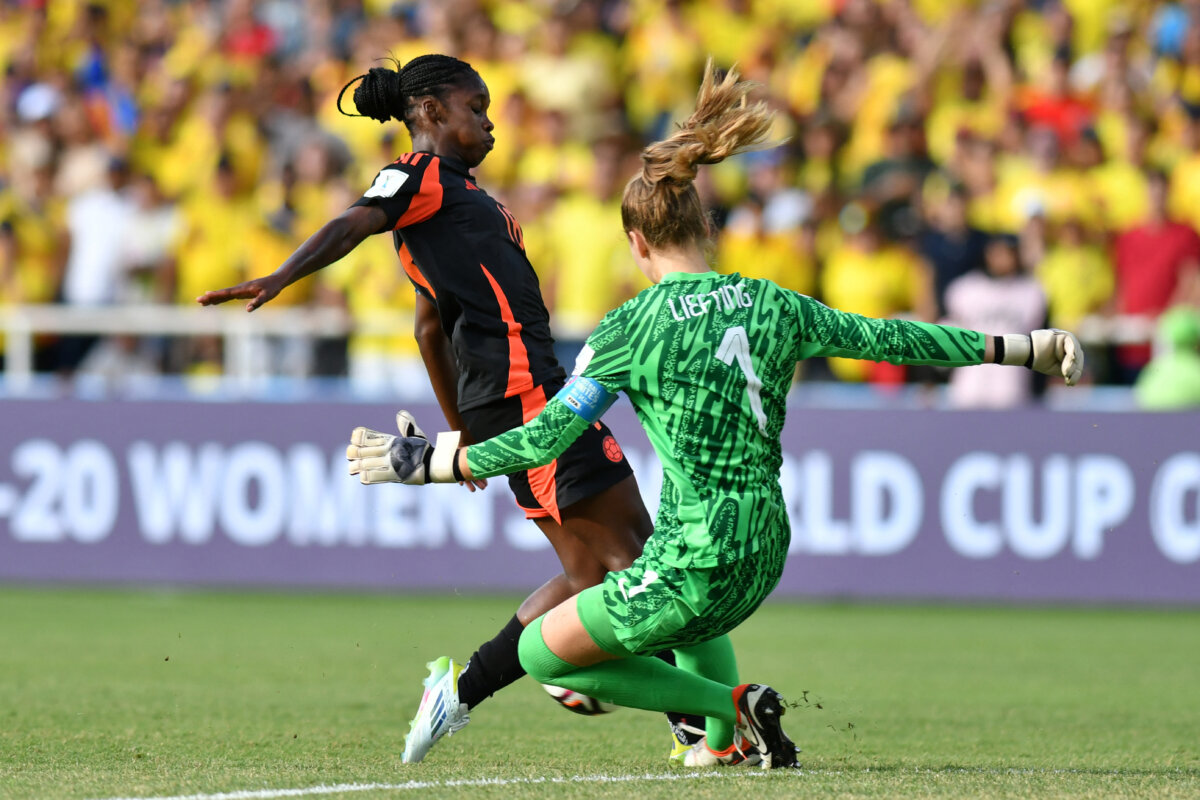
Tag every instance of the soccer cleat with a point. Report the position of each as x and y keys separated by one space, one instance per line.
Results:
x=758 y=711
x=683 y=737
x=740 y=753
x=440 y=712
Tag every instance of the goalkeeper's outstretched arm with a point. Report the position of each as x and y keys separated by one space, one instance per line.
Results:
x=544 y=438
x=377 y=457
x=825 y=331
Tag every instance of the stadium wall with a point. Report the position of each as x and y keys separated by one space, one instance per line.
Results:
x=998 y=506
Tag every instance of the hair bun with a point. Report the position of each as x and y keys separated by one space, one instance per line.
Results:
x=378 y=96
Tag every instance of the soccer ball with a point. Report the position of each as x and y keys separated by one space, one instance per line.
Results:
x=577 y=702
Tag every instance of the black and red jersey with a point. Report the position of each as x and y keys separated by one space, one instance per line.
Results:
x=465 y=252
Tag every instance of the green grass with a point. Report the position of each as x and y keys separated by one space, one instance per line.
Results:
x=130 y=694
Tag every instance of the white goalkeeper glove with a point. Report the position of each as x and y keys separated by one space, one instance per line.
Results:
x=409 y=458
x=1049 y=351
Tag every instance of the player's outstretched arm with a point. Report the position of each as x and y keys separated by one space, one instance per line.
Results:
x=828 y=332
x=409 y=458
x=566 y=416
x=334 y=240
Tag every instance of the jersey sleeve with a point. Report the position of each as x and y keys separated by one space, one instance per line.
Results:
x=407 y=192
x=601 y=370
x=537 y=442
x=824 y=331
x=606 y=357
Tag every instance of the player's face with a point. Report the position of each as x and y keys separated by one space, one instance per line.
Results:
x=467 y=129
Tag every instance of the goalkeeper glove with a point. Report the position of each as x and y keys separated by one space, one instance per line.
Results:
x=1049 y=351
x=409 y=458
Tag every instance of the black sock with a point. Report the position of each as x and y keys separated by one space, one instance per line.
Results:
x=494 y=665
x=681 y=722
x=497 y=663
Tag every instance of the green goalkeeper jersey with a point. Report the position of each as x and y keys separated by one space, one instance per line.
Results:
x=707 y=361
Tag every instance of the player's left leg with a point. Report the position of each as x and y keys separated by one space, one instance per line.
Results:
x=558 y=649
x=715 y=660
x=599 y=533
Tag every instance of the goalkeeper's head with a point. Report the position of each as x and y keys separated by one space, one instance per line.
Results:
x=661 y=201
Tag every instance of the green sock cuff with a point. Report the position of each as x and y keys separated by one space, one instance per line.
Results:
x=537 y=659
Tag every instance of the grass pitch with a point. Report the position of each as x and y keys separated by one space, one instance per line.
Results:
x=122 y=694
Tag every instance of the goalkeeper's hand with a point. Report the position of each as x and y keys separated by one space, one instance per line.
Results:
x=1049 y=351
x=377 y=457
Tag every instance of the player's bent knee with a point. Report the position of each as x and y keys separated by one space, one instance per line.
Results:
x=536 y=658
x=586 y=579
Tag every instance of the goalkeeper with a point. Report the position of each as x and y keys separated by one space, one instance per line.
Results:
x=707 y=360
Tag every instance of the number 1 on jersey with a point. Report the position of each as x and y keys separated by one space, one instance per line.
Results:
x=736 y=347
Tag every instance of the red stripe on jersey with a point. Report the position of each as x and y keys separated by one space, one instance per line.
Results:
x=413 y=271
x=541 y=479
x=533 y=400
x=519 y=377
x=428 y=199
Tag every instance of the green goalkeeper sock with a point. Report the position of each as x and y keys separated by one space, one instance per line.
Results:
x=636 y=682
x=714 y=660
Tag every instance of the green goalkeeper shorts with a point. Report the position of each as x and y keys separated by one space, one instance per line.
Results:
x=651 y=606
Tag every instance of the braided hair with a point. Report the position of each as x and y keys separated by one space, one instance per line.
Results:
x=386 y=93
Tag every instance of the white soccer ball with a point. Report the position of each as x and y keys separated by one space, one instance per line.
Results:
x=578 y=702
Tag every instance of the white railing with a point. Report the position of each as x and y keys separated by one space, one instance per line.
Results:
x=241 y=332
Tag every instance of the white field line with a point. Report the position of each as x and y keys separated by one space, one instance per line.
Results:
x=345 y=788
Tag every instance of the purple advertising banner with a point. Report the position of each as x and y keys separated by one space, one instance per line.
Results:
x=1031 y=505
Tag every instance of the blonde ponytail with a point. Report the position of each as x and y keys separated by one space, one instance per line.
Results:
x=661 y=201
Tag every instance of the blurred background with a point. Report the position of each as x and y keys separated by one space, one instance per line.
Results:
x=1000 y=165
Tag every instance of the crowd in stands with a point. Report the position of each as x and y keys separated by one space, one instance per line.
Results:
x=999 y=165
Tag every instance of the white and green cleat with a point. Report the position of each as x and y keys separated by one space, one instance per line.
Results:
x=440 y=712
x=683 y=738
x=740 y=753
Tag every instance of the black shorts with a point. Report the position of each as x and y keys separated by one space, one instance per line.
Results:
x=594 y=462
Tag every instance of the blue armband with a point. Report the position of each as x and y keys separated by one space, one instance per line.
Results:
x=586 y=397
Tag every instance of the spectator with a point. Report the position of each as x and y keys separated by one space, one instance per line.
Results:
x=1157 y=266
x=949 y=244
x=753 y=247
x=1044 y=112
x=1119 y=184
x=998 y=297
x=96 y=271
x=870 y=275
x=1054 y=104
x=1076 y=275
x=587 y=266
x=891 y=183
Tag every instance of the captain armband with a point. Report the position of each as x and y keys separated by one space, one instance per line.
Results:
x=586 y=397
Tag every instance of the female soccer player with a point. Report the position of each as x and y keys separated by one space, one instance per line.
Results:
x=484 y=335
x=707 y=360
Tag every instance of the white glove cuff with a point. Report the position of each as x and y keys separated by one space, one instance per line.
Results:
x=441 y=468
x=1018 y=350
